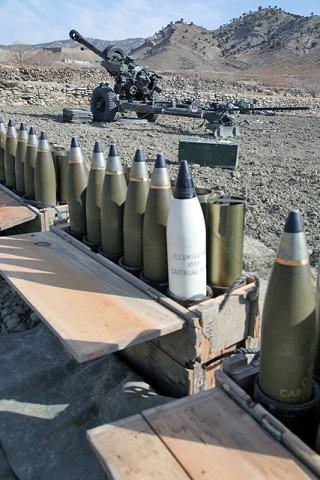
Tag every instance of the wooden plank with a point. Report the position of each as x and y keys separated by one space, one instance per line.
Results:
x=130 y=450
x=277 y=429
x=207 y=434
x=212 y=437
x=161 y=371
x=13 y=212
x=229 y=326
x=91 y=309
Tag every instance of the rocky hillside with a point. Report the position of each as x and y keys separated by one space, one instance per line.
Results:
x=268 y=45
x=257 y=38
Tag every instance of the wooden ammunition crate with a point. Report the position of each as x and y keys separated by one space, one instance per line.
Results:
x=174 y=362
x=104 y=309
x=220 y=433
x=39 y=219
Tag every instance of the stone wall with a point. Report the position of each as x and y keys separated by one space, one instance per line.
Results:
x=73 y=88
x=21 y=86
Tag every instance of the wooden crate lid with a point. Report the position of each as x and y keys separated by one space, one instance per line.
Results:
x=91 y=309
x=208 y=435
x=12 y=211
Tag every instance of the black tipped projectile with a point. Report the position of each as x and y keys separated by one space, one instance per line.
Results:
x=160 y=161
x=113 y=150
x=2 y=149
x=77 y=190
x=10 y=154
x=184 y=187
x=30 y=162
x=294 y=223
x=98 y=147
x=113 y=198
x=186 y=239
x=134 y=209
x=20 y=158
x=43 y=136
x=45 y=183
x=288 y=331
x=155 y=267
x=74 y=142
x=93 y=197
x=139 y=155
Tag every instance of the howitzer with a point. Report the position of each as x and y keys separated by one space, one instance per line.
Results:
x=133 y=82
x=137 y=90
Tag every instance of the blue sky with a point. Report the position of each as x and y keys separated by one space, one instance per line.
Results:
x=38 y=21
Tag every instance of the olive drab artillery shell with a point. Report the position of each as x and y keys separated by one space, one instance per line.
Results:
x=62 y=172
x=45 y=186
x=114 y=192
x=2 y=149
x=288 y=334
x=77 y=188
x=155 y=268
x=93 y=196
x=10 y=154
x=186 y=241
x=29 y=163
x=20 y=157
x=134 y=209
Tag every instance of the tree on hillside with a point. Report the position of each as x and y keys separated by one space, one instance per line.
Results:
x=21 y=53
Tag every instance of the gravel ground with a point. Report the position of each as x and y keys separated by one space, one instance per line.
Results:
x=278 y=170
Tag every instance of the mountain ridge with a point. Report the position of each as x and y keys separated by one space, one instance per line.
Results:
x=269 y=41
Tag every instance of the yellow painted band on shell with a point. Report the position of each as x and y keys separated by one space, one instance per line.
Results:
x=142 y=179
x=96 y=168
x=75 y=161
x=160 y=187
x=117 y=172
x=292 y=263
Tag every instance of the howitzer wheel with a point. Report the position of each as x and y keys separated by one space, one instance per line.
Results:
x=104 y=104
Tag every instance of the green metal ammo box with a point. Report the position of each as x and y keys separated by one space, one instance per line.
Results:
x=208 y=153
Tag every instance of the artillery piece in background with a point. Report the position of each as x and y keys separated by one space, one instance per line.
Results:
x=133 y=82
x=136 y=90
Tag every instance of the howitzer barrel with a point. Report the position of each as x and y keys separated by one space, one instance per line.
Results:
x=274 y=109
x=77 y=37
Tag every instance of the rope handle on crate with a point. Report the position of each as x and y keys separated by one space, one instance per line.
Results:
x=243 y=350
x=251 y=296
x=41 y=204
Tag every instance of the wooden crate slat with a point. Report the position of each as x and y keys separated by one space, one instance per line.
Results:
x=13 y=212
x=91 y=309
x=212 y=437
x=134 y=452
x=208 y=434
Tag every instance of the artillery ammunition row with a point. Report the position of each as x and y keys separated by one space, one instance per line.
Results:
x=172 y=243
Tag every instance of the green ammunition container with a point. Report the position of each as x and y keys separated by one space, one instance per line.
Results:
x=209 y=153
x=225 y=224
